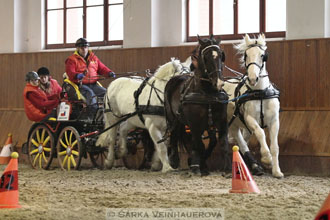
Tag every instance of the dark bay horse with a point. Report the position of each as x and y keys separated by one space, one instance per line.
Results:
x=194 y=100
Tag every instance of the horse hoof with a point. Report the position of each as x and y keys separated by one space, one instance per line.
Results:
x=156 y=167
x=174 y=162
x=167 y=170
x=257 y=170
x=278 y=175
x=205 y=173
x=108 y=164
x=195 y=169
x=189 y=161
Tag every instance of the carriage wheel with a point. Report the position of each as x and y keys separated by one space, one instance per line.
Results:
x=69 y=149
x=41 y=147
x=98 y=158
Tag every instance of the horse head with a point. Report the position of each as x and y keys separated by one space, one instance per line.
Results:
x=168 y=70
x=254 y=56
x=208 y=59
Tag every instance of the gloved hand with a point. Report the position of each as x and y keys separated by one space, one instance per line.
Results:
x=112 y=74
x=80 y=76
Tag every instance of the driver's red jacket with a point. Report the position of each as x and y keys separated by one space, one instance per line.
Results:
x=76 y=64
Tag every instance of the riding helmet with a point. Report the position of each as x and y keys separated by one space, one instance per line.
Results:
x=31 y=76
x=82 y=42
x=43 y=71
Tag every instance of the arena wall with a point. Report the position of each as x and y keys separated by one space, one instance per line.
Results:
x=300 y=68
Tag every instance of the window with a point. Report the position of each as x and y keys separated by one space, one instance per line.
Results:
x=231 y=19
x=100 y=21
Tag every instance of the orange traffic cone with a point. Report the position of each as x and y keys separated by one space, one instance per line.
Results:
x=324 y=212
x=9 y=184
x=6 y=151
x=242 y=180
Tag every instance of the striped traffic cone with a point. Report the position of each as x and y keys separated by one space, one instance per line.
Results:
x=6 y=150
x=9 y=184
x=242 y=180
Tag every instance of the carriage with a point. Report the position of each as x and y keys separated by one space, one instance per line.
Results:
x=72 y=135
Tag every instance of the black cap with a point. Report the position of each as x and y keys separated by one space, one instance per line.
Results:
x=43 y=71
x=31 y=76
x=82 y=42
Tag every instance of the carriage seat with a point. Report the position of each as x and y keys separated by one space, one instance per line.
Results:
x=72 y=91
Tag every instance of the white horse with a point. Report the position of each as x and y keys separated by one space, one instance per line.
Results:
x=261 y=111
x=119 y=101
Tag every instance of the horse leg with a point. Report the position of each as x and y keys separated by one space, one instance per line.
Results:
x=173 y=149
x=222 y=127
x=124 y=128
x=266 y=157
x=109 y=138
x=161 y=149
x=149 y=149
x=274 y=148
x=250 y=161
x=212 y=143
x=198 y=163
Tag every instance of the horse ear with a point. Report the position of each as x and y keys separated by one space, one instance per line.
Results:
x=199 y=40
x=262 y=39
x=263 y=36
x=247 y=39
x=218 y=40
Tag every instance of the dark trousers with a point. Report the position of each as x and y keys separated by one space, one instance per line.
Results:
x=91 y=92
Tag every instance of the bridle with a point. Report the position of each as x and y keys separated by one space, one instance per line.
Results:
x=264 y=59
x=218 y=71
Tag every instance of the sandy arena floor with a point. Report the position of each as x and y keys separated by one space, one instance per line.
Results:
x=88 y=193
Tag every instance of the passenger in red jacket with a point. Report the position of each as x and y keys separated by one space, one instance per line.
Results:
x=36 y=104
x=84 y=68
x=48 y=85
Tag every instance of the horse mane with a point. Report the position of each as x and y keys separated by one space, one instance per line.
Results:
x=247 y=42
x=167 y=70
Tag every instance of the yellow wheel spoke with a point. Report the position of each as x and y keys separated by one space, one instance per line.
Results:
x=69 y=163
x=38 y=136
x=40 y=161
x=34 y=151
x=66 y=137
x=74 y=143
x=64 y=145
x=46 y=141
x=42 y=135
x=34 y=142
x=74 y=152
x=47 y=149
x=73 y=162
x=62 y=153
x=70 y=137
x=43 y=156
x=35 y=159
x=65 y=159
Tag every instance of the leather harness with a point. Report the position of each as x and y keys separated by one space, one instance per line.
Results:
x=268 y=93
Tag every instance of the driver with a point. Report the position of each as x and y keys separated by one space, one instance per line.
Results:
x=83 y=68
